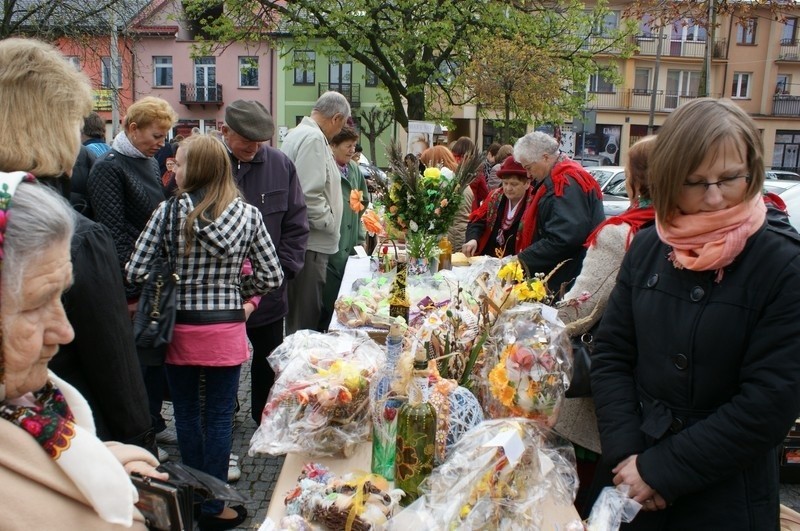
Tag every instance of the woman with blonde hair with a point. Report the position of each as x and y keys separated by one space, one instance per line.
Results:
x=216 y=232
x=124 y=188
x=442 y=157
x=695 y=373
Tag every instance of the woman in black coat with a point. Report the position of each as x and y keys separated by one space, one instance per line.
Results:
x=696 y=372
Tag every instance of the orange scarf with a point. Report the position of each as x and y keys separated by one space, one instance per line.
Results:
x=710 y=241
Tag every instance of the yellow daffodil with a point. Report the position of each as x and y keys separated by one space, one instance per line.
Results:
x=533 y=291
x=432 y=174
x=511 y=272
x=343 y=371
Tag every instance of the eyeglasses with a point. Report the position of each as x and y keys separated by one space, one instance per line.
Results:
x=725 y=185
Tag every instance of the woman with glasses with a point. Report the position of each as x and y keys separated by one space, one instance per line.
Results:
x=696 y=373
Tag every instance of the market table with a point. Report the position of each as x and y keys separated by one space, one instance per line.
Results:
x=556 y=516
x=357 y=267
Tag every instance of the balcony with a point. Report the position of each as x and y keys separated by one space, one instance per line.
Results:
x=192 y=94
x=786 y=105
x=638 y=100
x=648 y=45
x=789 y=50
x=351 y=91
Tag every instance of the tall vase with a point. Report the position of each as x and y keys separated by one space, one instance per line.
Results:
x=421 y=250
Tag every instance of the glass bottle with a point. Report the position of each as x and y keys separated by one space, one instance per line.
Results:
x=445 y=254
x=399 y=303
x=416 y=438
x=386 y=406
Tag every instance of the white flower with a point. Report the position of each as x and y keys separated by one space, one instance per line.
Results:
x=447 y=173
x=413 y=225
x=430 y=227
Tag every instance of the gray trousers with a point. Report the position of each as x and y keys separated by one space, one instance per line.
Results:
x=305 y=294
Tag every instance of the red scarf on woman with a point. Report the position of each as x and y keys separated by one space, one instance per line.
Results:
x=636 y=217
x=710 y=241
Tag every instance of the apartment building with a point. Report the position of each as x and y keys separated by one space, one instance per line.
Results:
x=756 y=63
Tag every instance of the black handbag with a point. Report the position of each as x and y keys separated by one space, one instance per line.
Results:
x=580 y=385
x=155 y=314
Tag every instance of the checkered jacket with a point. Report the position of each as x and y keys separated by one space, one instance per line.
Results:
x=211 y=276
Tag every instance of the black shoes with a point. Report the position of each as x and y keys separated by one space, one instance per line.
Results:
x=214 y=523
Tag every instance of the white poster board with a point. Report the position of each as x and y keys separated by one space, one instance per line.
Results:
x=420 y=136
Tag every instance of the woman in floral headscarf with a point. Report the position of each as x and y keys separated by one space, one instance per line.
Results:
x=54 y=470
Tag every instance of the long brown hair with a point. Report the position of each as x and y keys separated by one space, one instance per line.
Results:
x=439 y=156
x=208 y=168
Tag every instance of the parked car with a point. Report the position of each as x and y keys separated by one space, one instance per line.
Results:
x=615 y=199
x=789 y=191
x=371 y=174
x=607 y=176
x=783 y=175
x=588 y=161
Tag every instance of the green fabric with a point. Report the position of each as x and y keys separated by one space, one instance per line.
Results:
x=351 y=233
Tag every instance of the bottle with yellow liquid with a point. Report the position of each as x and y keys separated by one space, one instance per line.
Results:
x=445 y=254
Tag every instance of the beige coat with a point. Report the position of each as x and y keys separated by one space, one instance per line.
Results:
x=577 y=421
x=37 y=495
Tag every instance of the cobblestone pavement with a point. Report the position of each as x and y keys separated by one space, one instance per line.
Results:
x=260 y=473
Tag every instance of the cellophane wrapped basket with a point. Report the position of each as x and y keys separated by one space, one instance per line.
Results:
x=320 y=400
x=499 y=476
x=527 y=367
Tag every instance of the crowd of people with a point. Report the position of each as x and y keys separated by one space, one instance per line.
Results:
x=687 y=295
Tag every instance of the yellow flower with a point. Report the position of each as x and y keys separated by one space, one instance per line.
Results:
x=511 y=272
x=343 y=371
x=539 y=290
x=432 y=174
x=535 y=290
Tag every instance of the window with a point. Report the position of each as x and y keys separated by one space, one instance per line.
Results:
x=598 y=83
x=304 y=62
x=681 y=84
x=789 y=34
x=75 y=61
x=371 y=79
x=205 y=79
x=607 y=24
x=687 y=30
x=162 y=71
x=746 y=33
x=106 y=74
x=783 y=84
x=248 y=71
x=741 y=85
x=641 y=81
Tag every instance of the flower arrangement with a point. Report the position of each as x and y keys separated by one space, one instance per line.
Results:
x=424 y=206
x=320 y=400
x=528 y=364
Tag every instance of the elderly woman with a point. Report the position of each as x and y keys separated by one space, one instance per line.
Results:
x=494 y=228
x=124 y=188
x=695 y=373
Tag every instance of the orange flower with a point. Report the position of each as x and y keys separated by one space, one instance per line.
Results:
x=356 y=196
x=372 y=222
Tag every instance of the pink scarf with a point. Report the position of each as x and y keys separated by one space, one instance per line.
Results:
x=710 y=241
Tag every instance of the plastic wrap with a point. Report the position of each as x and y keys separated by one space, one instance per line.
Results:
x=353 y=502
x=320 y=400
x=527 y=364
x=499 y=476
x=612 y=507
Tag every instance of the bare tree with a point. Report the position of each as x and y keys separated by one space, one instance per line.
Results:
x=377 y=119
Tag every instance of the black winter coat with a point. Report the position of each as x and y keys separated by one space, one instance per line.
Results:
x=702 y=379
x=123 y=192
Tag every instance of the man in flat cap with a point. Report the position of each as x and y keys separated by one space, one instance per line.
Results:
x=307 y=146
x=268 y=181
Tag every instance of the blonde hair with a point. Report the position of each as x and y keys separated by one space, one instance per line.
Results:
x=439 y=156
x=43 y=100
x=208 y=168
x=151 y=110
x=691 y=132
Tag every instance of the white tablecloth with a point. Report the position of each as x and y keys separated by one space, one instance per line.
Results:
x=357 y=268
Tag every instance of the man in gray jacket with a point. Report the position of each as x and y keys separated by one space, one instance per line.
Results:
x=307 y=146
x=268 y=181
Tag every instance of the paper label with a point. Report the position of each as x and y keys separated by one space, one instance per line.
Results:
x=360 y=252
x=511 y=443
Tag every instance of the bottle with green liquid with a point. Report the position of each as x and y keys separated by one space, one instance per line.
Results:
x=416 y=437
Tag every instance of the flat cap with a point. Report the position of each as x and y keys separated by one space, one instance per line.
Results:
x=250 y=119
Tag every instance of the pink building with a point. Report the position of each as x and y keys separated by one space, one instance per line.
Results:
x=167 y=65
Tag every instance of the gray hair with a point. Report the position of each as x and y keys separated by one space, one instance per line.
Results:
x=332 y=103
x=533 y=146
x=38 y=219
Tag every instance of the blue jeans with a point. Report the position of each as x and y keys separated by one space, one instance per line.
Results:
x=205 y=444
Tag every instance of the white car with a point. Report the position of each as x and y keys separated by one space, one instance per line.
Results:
x=782 y=175
x=789 y=191
x=607 y=176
